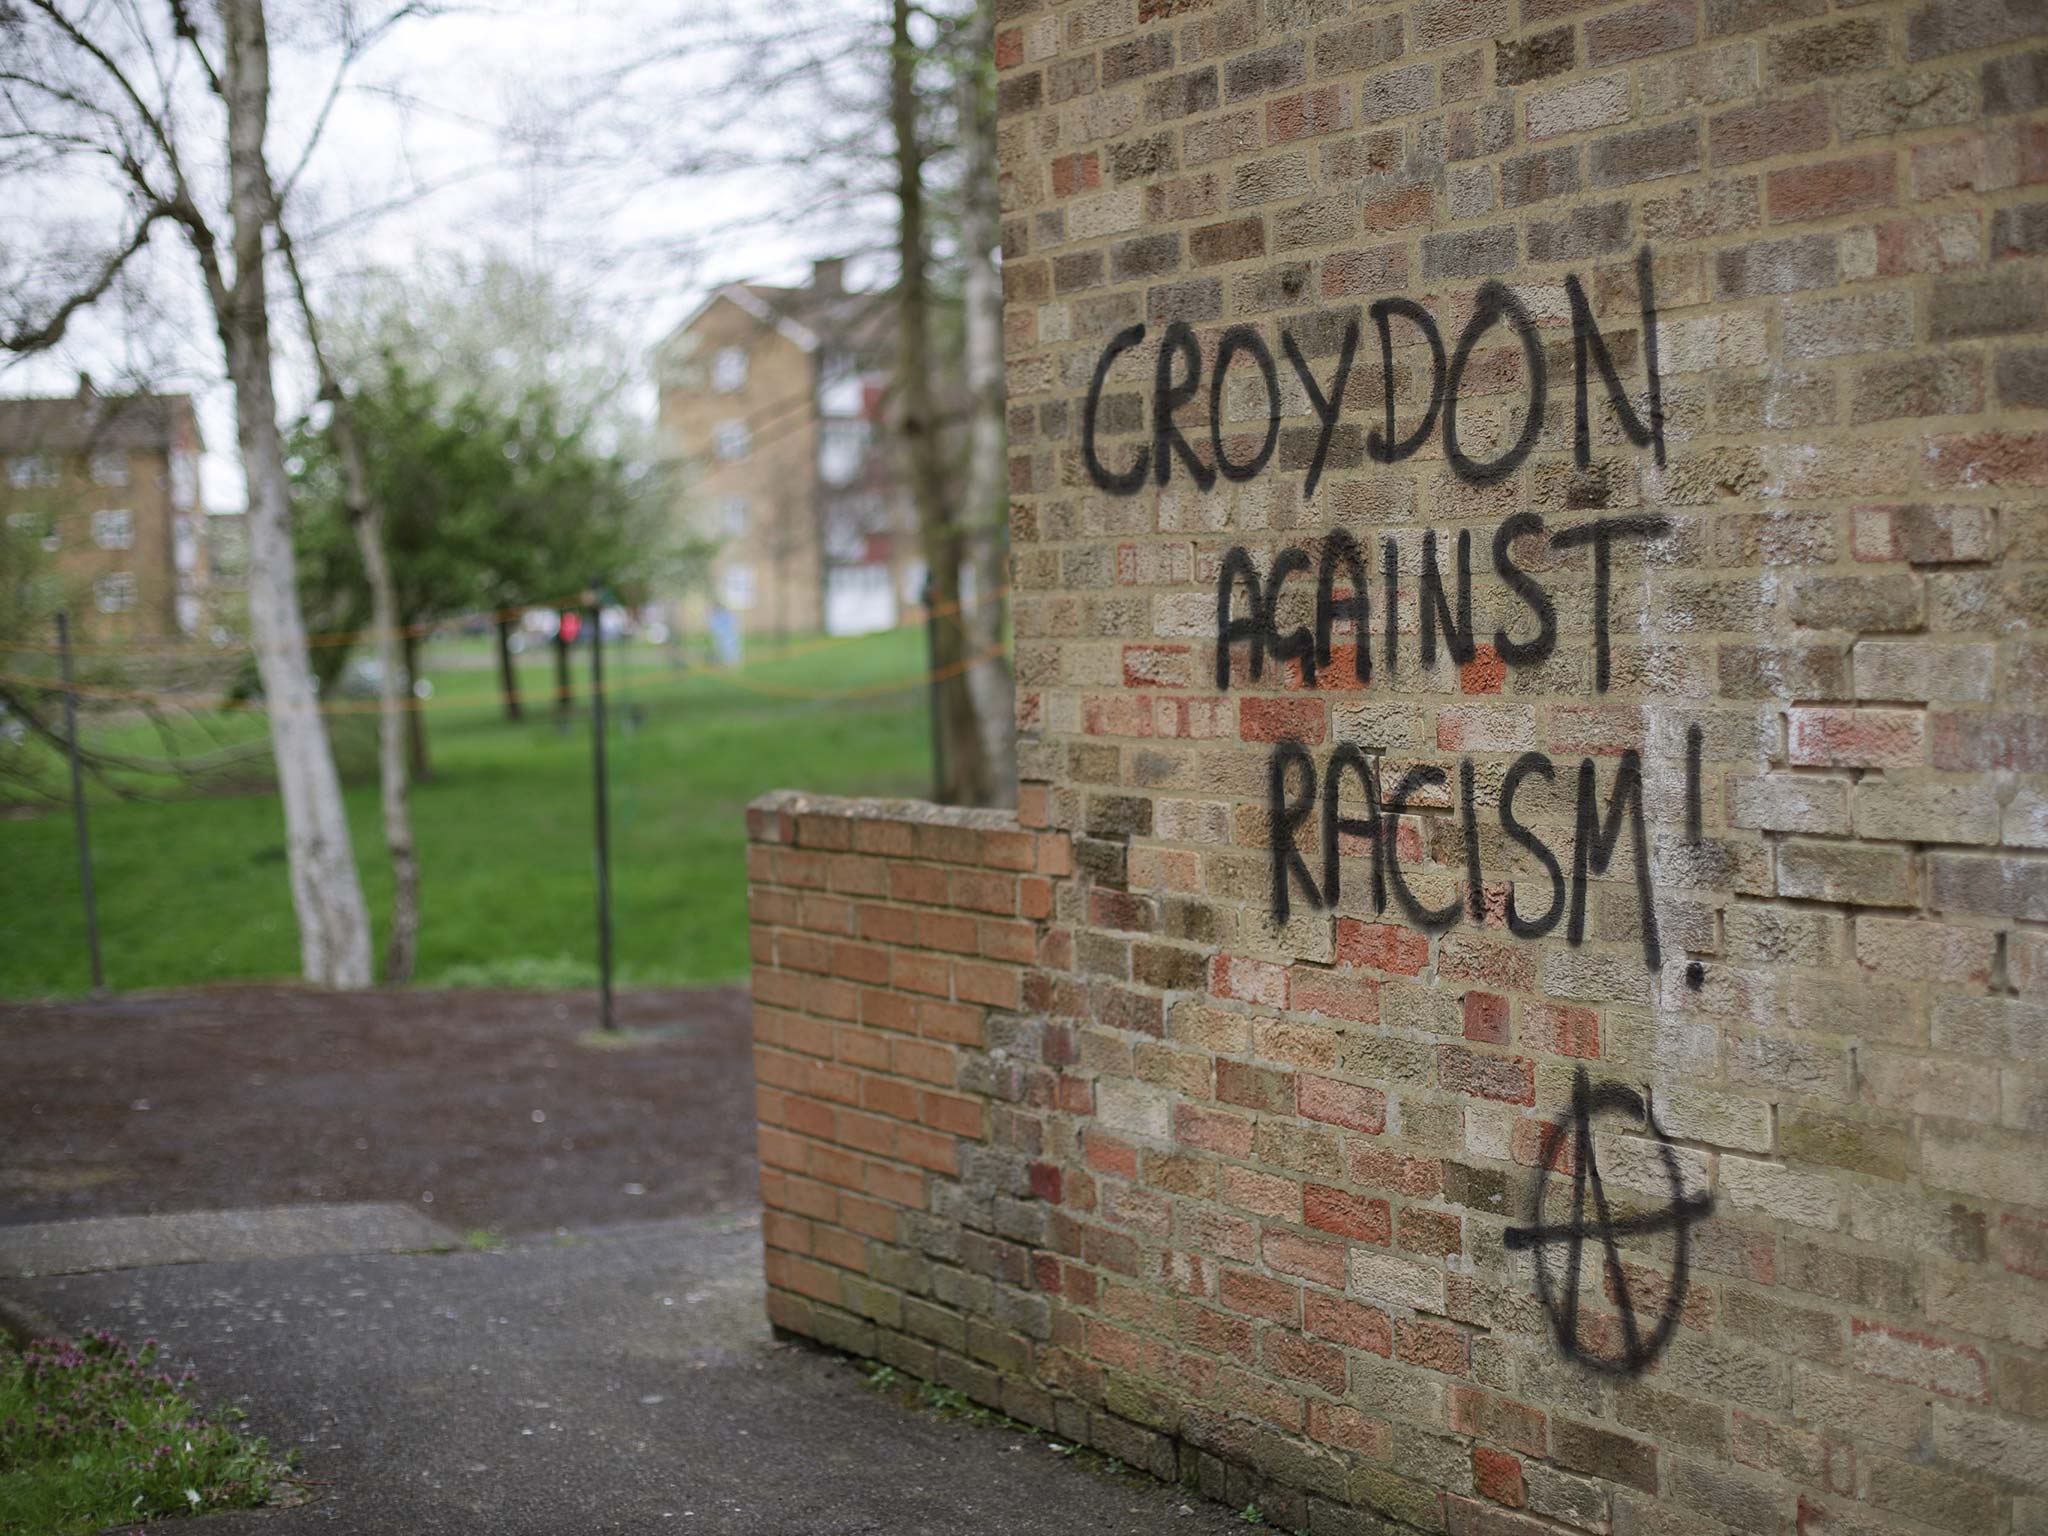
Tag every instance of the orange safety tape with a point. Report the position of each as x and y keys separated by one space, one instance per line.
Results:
x=200 y=649
x=644 y=687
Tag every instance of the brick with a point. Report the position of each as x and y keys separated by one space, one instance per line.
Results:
x=1484 y=1416
x=1356 y=1217
x=1994 y=306
x=2014 y=82
x=1959 y=26
x=1793 y=125
x=1510 y=1079
x=1777 y=266
x=1828 y=188
x=1918 y=1360
x=1469 y=253
x=1278 y=68
x=1356 y=1106
x=1595 y=102
x=1856 y=738
x=1847 y=47
x=1602 y=1453
x=1347 y=1322
x=1539 y=176
x=1987 y=886
x=1652 y=26
x=1523 y=60
x=1644 y=154
x=1789 y=803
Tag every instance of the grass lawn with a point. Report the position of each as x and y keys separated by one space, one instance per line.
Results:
x=193 y=889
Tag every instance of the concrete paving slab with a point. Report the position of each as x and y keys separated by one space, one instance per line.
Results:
x=197 y=1237
x=620 y=1380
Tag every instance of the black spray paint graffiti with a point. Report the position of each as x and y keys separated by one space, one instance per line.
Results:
x=1248 y=605
x=1570 y=1142
x=1177 y=382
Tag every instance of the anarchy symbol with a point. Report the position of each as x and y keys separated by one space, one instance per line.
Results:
x=1560 y=1295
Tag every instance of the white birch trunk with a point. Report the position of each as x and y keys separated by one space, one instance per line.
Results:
x=327 y=894
x=988 y=470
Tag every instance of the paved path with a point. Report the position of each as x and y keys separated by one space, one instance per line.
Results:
x=198 y=1237
x=620 y=1380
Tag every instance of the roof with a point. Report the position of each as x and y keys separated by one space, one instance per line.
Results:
x=810 y=317
x=86 y=421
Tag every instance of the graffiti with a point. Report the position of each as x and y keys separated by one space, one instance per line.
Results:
x=1177 y=383
x=1293 y=797
x=1444 y=620
x=1346 y=587
x=1569 y=1143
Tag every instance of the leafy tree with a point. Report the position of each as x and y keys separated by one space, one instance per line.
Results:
x=488 y=504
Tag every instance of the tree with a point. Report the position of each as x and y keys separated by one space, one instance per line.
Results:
x=364 y=510
x=965 y=773
x=985 y=500
x=907 y=170
x=507 y=338
x=145 y=104
x=484 y=502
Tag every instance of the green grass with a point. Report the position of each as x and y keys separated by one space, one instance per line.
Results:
x=91 y=1435
x=193 y=889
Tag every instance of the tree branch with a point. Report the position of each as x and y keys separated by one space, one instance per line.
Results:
x=50 y=332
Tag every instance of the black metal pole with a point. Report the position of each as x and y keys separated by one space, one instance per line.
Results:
x=604 y=820
x=92 y=911
x=932 y=700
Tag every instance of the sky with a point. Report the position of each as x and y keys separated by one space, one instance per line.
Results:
x=499 y=126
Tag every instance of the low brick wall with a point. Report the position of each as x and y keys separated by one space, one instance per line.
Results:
x=896 y=949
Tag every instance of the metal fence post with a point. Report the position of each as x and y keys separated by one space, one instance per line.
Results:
x=78 y=821
x=606 y=1017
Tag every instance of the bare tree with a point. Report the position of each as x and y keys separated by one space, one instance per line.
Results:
x=966 y=775
x=910 y=170
x=985 y=481
x=110 y=87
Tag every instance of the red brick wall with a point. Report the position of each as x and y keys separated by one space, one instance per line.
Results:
x=1282 y=1131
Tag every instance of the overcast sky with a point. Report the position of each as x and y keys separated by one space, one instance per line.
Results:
x=473 y=131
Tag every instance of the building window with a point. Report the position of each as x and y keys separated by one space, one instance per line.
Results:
x=31 y=470
x=732 y=516
x=184 y=481
x=841 y=448
x=729 y=370
x=736 y=590
x=731 y=441
x=114 y=529
x=115 y=593
x=110 y=467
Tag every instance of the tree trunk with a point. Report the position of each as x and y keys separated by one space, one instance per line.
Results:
x=965 y=778
x=565 y=687
x=397 y=719
x=988 y=469
x=394 y=692
x=508 y=673
x=327 y=894
x=415 y=717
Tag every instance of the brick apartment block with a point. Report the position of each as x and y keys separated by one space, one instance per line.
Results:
x=1515 y=999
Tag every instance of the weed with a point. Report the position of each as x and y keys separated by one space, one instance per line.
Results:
x=91 y=1434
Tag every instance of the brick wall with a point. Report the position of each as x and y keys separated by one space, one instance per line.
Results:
x=1546 y=1027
